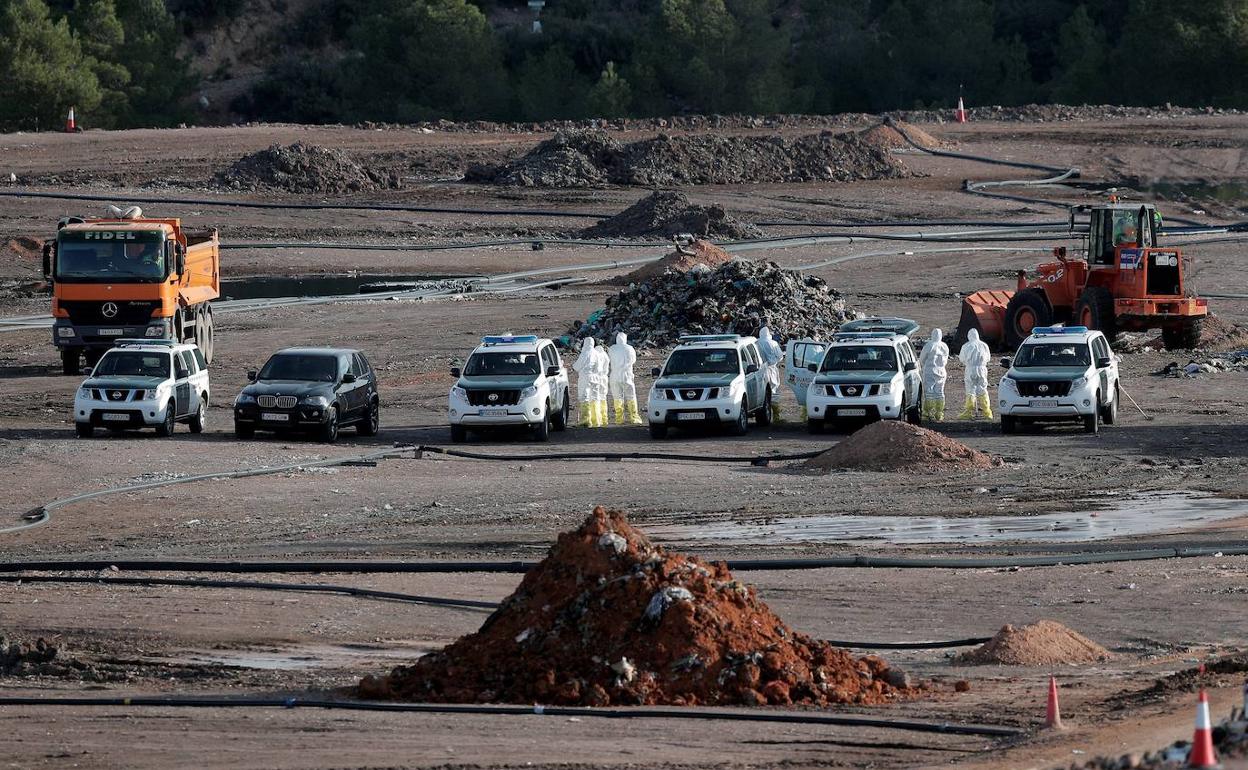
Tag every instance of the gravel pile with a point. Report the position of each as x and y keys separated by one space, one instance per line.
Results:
x=698 y=255
x=666 y=213
x=303 y=168
x=608 y=618
x=1043 y=643
x=737 y=297
x=18 y=658
x=893 y=445
x=591 y=158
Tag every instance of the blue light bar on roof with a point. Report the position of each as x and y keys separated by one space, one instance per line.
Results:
x=508 y=339
x=1060 y=330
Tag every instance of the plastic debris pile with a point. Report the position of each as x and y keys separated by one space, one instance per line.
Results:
x=607 y=618
x=1043 y=643
x=591 y=158
x=303 y=168
x=736 y=297
x=892 y=445
x=1231 y=362
x=665 y=213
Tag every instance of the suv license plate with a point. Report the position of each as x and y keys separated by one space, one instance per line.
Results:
x=274 y=417
x=109 y=417
x=691 y=416
x=851 y=412
x=1043 y=403
x=493 y=412
x=111 y=332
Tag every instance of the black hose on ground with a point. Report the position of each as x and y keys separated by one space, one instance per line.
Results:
x=970 y=642
x=801 y=718
x=616 y=456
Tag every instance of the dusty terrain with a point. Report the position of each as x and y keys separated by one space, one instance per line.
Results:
x=1176 y=479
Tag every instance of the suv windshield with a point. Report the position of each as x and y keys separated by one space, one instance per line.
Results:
x=501 y=364
x=1054 y=354
x=132 y=363
x=88 y=256
x=703 y=361
x=871 y=358
x=308 y=367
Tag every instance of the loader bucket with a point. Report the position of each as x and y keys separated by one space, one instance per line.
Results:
x=983 y=311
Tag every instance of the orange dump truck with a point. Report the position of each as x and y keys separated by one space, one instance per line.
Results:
x=128 y=276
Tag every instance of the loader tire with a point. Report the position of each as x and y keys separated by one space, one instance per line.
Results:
x=1027 y=309
x=1095 y=310
x=1185 y=337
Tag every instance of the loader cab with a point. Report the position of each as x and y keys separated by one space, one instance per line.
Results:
x=1119 y=226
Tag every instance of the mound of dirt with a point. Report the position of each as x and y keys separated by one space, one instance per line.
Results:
x=303 y=168
x=1043 y=643
x=21 y=657
x=697 y=255
x=607 y=618
x=666 y=213
x=735 y=298
x=590 y=158
x=893 y=445
x=886 y=137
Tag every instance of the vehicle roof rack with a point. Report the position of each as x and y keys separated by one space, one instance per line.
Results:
x=709 y=337
x=509 y=339
x=154 y=341
x=876 y=335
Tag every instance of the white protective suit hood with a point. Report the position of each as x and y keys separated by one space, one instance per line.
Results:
x=975 y=356
x=772 y=356
x=932 y=362
x=583 y=366
x=622 y=357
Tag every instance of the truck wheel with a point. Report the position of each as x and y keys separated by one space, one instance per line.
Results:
x=329 y=429
x=1026 y=310
x=459 y=434
x=371 y=422
x=166 y=427
x=1008 y=424
x=741 y=425
x=1109 y=412
x=1092 y=422
x=1095 y=310
x=84 y=429
x=559 y=421
x=914 y=415
x=1185 y=337
x=70 y=358
x=762 y=417
x=244 y=431
x=200 y=418
x=541 y=431
x=210 y=335
x=658 y=431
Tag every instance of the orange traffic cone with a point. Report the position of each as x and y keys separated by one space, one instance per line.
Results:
x=71 y=126
x=1053 y=712
x=1202 y=754
x=960 y=114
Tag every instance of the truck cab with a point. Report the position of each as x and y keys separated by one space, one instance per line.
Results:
x=130 y=277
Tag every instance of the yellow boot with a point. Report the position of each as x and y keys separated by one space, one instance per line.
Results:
x=585 y=414
x=775 y=412
x=985 y=404
x=938 y=409
x=619 y=412
x=968 y=411
x=634 y=415
x=602 y=413
x=593 y=415
x=929 y=410
x=804 y=414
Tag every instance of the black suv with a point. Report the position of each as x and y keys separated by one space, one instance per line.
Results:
x=315 y=390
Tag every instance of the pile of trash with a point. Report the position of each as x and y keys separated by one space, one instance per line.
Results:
x=737 y=297
x=700 y=255
x=591 y=158
x=303 y=168
x=893 y=445
x=1231 y=362
x=17 y=658
x=1043 y=643
x=665 y=214
x=608 y=618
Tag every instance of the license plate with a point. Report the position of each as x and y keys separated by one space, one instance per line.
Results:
x=1043 y=403
x=112 y=332
x=115 y=417
x=493 y=412
x=274 y=417
x=851 y=412
x=691 y=416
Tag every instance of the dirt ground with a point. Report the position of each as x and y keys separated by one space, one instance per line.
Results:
x=1175 y=479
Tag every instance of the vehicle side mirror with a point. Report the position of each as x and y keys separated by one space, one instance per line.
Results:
x=552 y=371
x=1006 y=363
x=751 y=369
x=910 y=366
x=179 y=261
x=251 y=376
x=656 y=372
x=812 y=367
x=348 y=378
x=48 y=250
x=456 y=372
x=1104 y=363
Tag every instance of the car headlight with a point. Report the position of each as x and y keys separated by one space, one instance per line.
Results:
x=155 y=331
x=460 y=393
x=886 y=389
x=84 y=393
x=1079 y=383
x=1008 y=384
x=245 y=398
x=528 y=392
x=65 y=331
x=314 y=401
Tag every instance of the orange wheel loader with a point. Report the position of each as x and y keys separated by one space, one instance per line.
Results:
x=1125 y=283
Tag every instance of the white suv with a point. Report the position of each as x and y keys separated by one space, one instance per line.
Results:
x=510 y=380
x=865 y=376
x=144 y=383
x=1060 y=373
x=710 y=379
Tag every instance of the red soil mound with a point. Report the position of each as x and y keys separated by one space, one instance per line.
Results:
x=1043 y=643
x=608 y=618
x=682 y=261
x=892 y=445
x=886 y=137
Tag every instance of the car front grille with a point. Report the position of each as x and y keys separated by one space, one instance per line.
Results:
x=281 y=402
x=120 y=313
x=691 y=394
x=1050 y=389
x=852 y=390
x=493 y=397
x=114 y=394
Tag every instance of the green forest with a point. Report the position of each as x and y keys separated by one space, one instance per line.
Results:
x=123 y=63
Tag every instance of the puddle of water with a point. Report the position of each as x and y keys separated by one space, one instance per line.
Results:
x=1147 y=513
x=303 y=657
x=268 y=287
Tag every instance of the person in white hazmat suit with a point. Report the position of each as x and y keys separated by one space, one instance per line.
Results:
x=585 y=390
x=975 y=356
x=623 y=389
x=602 y=374
x=772 y=356
x=932 y=363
